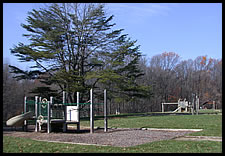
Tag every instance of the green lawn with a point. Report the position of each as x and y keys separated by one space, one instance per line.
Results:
x=211 y=125
x=210 y=111
x=22 y=145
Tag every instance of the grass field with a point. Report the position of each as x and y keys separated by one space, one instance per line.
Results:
x=22 y=145
x=211 y=125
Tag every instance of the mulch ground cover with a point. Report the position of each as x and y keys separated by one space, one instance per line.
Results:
x=114 y=137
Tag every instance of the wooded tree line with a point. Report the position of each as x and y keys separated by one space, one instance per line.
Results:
x=170 y=78
x=75 y=48
x=13 y=93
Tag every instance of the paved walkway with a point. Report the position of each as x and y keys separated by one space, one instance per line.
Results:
x=199 y=138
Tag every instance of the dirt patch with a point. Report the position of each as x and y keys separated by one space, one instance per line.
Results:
x=114 y=137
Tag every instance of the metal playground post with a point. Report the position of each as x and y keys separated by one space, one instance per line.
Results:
x=91 y=112
x=105 y=112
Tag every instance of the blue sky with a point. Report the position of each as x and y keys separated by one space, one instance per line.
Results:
x=188 y=29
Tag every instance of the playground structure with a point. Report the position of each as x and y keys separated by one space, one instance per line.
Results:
x=213 y=103
x=185 y=106
x=50 y=114
x=181 y=105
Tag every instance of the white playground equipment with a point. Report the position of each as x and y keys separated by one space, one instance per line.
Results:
x=49 y=114
x=181 y=105
x=184 y=105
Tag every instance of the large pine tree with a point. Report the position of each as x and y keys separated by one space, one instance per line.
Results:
x=75 y=45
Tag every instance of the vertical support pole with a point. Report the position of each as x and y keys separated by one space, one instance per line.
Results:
x=179 y=103
x=189 y=105
x=49 y=114
x=64 y=97
x=162 y=108
x=186 y=109
x=186 y=105
x=192 y=107
x=39 y=106
x=78 y=113
x=24 y=111
x=91 y=112
x=36 y=113
x=65 y=112
x=39 y=112
x=197 y=105
x=214 y=106
x=105 y=112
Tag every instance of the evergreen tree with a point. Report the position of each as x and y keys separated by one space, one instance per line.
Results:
x=76 y=46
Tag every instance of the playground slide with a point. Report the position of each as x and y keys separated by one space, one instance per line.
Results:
x=177 y=109
x=19 y=119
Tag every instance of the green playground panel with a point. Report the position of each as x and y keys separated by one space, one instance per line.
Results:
x=30 y=106
x=30 y=102
x=56 y=114
x=44 y=109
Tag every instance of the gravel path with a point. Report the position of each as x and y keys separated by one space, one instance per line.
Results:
x=114 y=137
